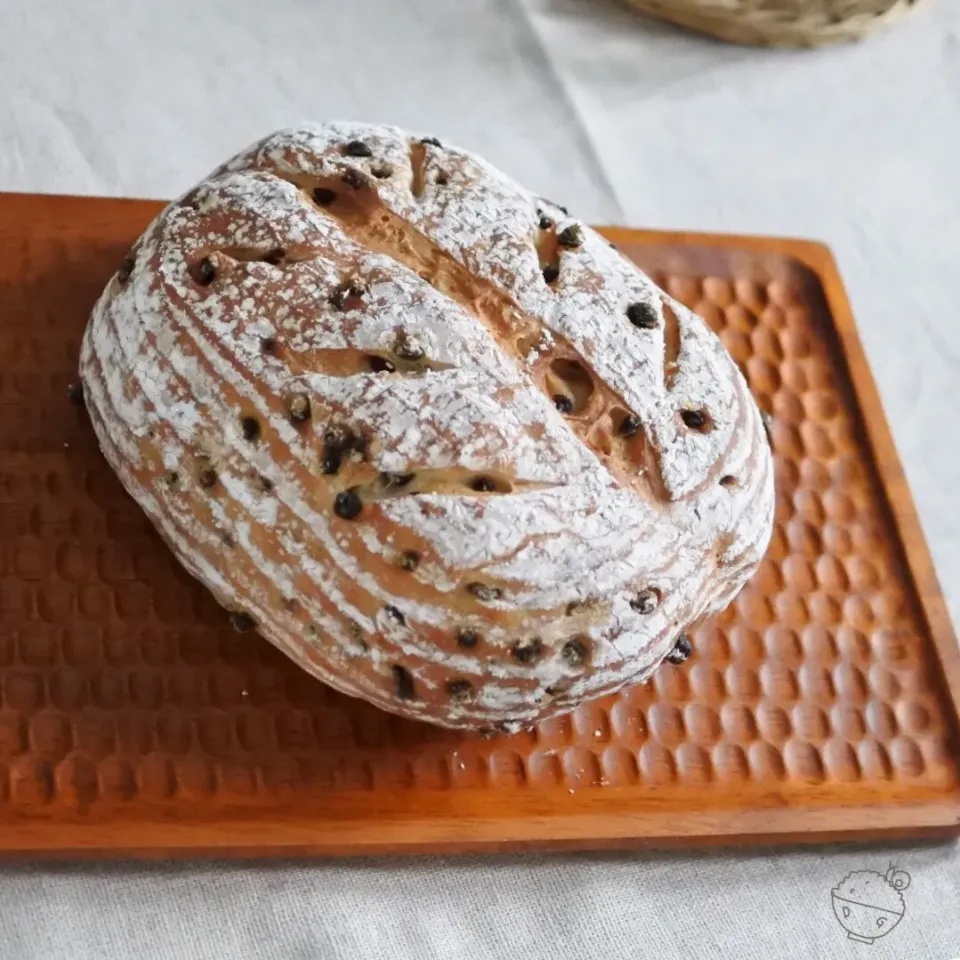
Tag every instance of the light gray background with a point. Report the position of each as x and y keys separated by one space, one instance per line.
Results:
x=624 y=121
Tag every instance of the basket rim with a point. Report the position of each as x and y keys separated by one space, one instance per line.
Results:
x=747 y=22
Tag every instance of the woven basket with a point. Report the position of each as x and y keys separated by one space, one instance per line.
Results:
x=780 y=23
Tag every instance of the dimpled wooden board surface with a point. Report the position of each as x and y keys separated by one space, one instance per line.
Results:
x=134 y=721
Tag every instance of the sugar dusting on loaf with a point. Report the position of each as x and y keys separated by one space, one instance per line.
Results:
x=428 y=433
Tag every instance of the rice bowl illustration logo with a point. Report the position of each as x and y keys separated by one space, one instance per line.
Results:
x=869 y=905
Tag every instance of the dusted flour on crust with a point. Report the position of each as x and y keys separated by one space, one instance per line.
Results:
x=429 y=434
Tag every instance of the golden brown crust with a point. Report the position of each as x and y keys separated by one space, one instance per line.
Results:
x=432 y=437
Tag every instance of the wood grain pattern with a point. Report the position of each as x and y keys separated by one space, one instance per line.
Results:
x=133 y=721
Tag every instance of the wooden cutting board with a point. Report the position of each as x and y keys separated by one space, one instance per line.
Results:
x=135 y=722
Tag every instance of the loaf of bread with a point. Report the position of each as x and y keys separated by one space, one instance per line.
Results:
x=426 y=432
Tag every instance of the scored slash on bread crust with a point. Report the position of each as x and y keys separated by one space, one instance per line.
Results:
x=410 y=405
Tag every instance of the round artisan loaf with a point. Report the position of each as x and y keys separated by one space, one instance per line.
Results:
x=427 y=433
